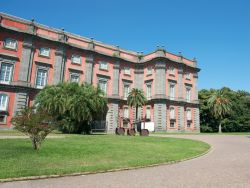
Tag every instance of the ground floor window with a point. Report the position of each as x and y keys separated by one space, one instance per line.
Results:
x=172 y=124
x=189 y=123
x=3 y=119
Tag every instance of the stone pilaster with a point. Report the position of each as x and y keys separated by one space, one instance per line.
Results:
x=112 y=117
x=197 y=119
x=59 y=66
x=160 y=79
x=116 y=76
x=26 y=60
x=139 y=74
x=180 y=83
x=20 y=102
x=181 y=122
x=195 y=87
x=160 y=93
x=89 y=68
x=160 y=113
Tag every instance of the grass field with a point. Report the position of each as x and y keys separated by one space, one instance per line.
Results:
x=93 y=153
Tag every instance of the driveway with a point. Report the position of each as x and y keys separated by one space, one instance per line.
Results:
x=227 y=165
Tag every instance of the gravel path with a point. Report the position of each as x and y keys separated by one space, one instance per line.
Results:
x=227 y=165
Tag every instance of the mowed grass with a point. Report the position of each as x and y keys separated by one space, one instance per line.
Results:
x=92 y=153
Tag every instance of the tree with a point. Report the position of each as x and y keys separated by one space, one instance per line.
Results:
x=136 y=99
x=219 y=105
x=76 y=105
x=35 y=124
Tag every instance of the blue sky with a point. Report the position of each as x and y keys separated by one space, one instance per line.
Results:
x=216 y=32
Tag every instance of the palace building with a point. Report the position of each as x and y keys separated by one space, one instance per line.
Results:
x=33 y=56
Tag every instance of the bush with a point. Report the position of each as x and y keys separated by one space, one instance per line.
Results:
x=206 y=129
x=35 y=124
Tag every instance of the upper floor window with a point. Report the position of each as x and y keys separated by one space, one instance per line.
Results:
x=3 y=102
x=41 y=78
x=188 y=94
x=127 y=70
x=148 y=112
x=189 y=115
x=125 y=112
x=103 y=65
x=44 y=51
x=172 y=91
x=74 y=77
x=6 y=73
x=76 y=59
x=188 y=75
x=10 y=43
x=102 y=83
x=148 y=91
x=172 y=113
x=149 y=70
x=126 y=91
x=171 y=70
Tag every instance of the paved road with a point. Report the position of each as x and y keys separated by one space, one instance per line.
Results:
x=227 y=165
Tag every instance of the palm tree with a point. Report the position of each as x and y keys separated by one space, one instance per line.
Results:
x=136 y=98
x=219 y=105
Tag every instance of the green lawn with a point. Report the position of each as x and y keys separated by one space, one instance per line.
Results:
x=190 y=133
x=93 y=153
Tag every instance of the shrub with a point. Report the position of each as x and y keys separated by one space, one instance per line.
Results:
x=35 y=124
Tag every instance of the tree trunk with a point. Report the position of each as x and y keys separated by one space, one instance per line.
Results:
x=220 y=128
x=35 y=143
x=136 y=112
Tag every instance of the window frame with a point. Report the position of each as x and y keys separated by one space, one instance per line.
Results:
x=189 y=114
x=8 y=47
x=148 y=73
x=125 y=69
x=147 y=89
x=126 y=107
x=47 y=76
x=74 y=74
x=4 y=122
x=171 y=70
x=101 y=63
x=188 y=75
x=11 y=72
x=125 y=97
x=76 y=55
x=40 y=52
x=148 y=108
x=172 y=110
x=188 y=94
x=171 y=85
x=102 y=80
x=6 y=102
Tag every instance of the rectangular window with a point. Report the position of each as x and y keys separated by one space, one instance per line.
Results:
x=3 y=119
x=125 y=112
x=76 y=59
x=149 y=91
x=44 y=51
x=172 y=124
x=148 y=113
x=103 y=85
x=171 y=70
x=103 y=65
x=3 y=102
x=172 y=113
x=189 y=124
x=10 y=43
x=126 y=91
x=41 y=78
x=188 y=75
x=74 y=78
x=188 y=94
x=149 y=70
x=189 y=115
x=127 y=70
x=172 y=91
x=6 y=73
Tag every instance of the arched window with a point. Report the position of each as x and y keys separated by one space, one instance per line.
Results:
x=3 y=101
